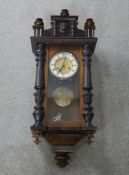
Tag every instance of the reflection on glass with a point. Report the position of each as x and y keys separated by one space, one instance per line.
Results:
x=63 y=96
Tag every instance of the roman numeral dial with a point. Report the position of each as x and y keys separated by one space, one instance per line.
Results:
x=63 y=65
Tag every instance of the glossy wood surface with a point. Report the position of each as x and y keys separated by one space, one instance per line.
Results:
x=76 y=50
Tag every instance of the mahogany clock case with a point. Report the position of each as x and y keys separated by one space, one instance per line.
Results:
x=72 y=113
x=76 y=119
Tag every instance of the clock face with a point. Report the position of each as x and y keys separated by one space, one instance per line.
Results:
x=63 y=65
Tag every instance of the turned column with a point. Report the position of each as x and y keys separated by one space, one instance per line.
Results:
x=53 y=23
x=39 y=85
x=87 y=86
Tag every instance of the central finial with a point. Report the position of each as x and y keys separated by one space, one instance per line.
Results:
x=64 y=12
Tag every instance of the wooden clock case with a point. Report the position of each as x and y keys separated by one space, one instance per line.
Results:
x=63 y=35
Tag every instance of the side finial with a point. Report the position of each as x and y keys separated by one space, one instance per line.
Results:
x=38 y=27
x=89 y=27
x=39 y=22
x=89 y=23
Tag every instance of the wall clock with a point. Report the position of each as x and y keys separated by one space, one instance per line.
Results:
x=63 y=97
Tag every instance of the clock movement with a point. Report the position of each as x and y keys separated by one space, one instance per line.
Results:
x=63 y=97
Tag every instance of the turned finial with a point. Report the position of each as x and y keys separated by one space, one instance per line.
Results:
x=89 y=24
x=37 y=136
x=89 y=28
x=64 y=12
x=39 y=22
x=38 y=27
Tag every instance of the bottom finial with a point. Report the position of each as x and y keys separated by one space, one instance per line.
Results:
x=37 y=136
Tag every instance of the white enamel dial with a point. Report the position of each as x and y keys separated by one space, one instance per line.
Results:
x=63 y=65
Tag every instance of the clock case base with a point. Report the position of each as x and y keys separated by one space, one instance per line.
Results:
x=63 y=140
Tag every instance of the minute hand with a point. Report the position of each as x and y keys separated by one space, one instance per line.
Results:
x=62 y=65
